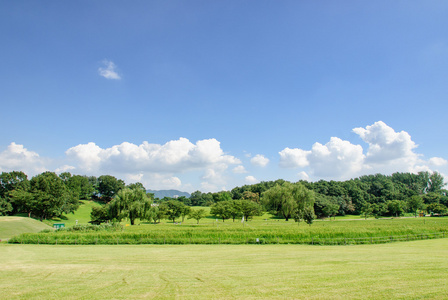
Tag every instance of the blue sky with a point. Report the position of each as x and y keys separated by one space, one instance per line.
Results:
x=209 y=95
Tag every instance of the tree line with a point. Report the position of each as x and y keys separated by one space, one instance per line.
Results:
x=49 y=195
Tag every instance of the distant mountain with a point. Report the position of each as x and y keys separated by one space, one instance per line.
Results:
x=168 y=193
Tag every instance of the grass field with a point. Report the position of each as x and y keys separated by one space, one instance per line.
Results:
x=82 y=215
x=11 y=226
x=270 y=231
x=414 y=270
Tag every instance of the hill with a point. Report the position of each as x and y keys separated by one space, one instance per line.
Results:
x=82 y=215
x=168 y=193
x=11 y=226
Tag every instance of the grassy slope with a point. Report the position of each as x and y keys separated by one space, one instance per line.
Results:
x=10 y=226
x=391 y=271
x=82 y=214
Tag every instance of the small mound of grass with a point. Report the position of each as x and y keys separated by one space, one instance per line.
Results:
x=11 y=226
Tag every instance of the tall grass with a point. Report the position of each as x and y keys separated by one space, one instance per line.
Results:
x=261 y=232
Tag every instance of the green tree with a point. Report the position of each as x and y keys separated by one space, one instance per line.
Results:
x=235 y=210
x=367 y=210
x=185 y=211
x=173 y=209
x=50 y=197
x=254 y=197
x=108 y=186
x=10 y=182
x=395 y=207
x=415 y=204
x=249 y=209
x=280 y=200
x=5 y=207
x=129 y=203
x=308 y=215
x=197 y=214
x=222 y=210
x=435 y=183
x=80 y=186
x=436 y=208
x=288 y=200
x=99 y=214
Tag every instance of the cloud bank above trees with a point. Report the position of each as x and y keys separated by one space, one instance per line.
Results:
x=204 y=165
x=387 y=152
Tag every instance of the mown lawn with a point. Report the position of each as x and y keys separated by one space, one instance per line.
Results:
x=11 y=226
x=413 y=270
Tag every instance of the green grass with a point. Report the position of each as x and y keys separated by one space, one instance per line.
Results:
x=11 y=226
x=82 y=215
x=414 y=270
x=268 y=231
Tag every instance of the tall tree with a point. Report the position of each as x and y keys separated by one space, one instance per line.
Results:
x=129 y=203
x=415 y=204
x=173 y=209
x=10 y=182
x=222 y=210
x=50 y=197
x=108 y=186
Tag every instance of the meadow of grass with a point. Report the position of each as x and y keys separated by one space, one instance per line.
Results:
x=263 y=231
x=414 y=270
x=80 y=216
x=11 y=226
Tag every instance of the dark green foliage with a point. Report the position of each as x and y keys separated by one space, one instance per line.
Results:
x=437 y=208
x=221 y=210
x=172 y=209
x=99 y=215
x=47 y=197
x=395 y=207
x=10 y=182
x=5 y=207
x=108 y=186
x=248 y=208
x=415 y=204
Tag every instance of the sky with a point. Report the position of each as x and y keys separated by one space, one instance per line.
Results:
x=210 y=95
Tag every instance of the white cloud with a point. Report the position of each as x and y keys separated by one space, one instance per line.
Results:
x=108 y=71
x=64 y=168
x=259 y=160
x=251 y=179
x=294 y=158
x=173 y=157
x=239 y=170
x=17 y=158
x=385 y=144
x=388 y=151
x=437 y=161
x=336 y=159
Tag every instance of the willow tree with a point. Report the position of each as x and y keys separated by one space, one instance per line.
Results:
x=288 y=200
x=131 y=203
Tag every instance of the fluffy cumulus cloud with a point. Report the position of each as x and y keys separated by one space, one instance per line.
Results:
x=251 y=180
x=387 y=151
x=239 y=170
x=437 y=161
x=335 y=159
x=17 y=158
x=108 y=70
x=177 y=156
x=259 y=160
x=386 y=145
